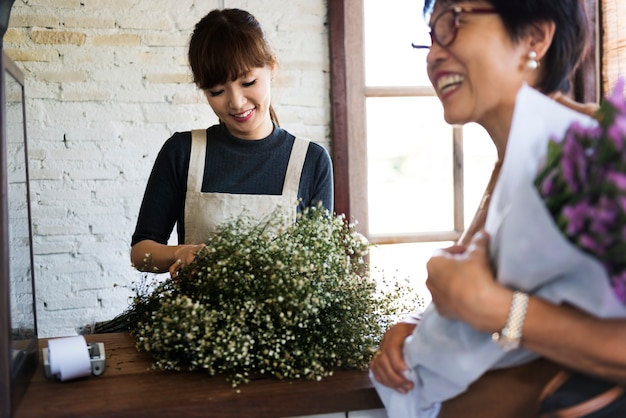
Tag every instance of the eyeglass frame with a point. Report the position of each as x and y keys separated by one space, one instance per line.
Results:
x=456 y=13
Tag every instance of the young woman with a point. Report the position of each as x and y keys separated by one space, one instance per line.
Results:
x=245 y=165
x=482 y=52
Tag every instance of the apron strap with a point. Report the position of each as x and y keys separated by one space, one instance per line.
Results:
x=196 y=160
x=198 y=157
x=294 y=168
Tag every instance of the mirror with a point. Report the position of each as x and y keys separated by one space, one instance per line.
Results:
x=16 y=248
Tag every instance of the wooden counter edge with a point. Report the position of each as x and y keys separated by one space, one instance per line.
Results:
x=128 y=388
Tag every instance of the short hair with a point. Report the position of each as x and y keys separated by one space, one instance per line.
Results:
x=570 y=41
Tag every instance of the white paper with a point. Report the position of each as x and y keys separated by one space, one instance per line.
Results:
x=69 y=357
x=528 y=252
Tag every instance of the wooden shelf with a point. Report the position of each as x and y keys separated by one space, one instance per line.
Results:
x=128 y=388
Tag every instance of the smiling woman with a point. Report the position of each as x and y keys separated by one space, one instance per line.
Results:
x=102 y=97
x=488 y=60
x=246 y=165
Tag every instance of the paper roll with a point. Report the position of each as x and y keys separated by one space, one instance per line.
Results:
x=69 y=357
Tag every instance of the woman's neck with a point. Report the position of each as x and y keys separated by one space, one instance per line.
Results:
x=497 y=123
x=499 y=133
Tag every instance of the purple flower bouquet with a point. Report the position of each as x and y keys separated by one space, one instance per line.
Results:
x=583 y=185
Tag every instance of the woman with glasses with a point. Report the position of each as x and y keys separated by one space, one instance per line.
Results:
x=482 y=53
x=245 y=165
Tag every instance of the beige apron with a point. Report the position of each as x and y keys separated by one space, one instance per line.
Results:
x=205 y=211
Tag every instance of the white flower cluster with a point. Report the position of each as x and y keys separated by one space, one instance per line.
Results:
x=296 y=303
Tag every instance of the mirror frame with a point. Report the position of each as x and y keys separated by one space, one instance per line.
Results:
x=15 y=370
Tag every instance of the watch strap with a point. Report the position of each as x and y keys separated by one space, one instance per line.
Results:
x=511 y=335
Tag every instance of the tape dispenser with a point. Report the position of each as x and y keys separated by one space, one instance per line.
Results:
x=72 y=357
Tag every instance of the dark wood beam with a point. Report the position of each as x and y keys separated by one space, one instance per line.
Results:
x=339 y=100
x=586 y=79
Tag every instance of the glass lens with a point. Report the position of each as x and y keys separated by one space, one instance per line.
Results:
x=443 y=28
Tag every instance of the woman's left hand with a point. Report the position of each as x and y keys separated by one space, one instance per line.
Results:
x=463 y=286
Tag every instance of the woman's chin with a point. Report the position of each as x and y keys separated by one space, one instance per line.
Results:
x=455 y=119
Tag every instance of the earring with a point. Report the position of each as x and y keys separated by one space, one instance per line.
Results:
x=532 y=63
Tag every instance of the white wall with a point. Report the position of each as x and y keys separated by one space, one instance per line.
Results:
x=107 y=83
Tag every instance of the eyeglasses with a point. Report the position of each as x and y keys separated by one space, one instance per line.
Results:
x=445 y=27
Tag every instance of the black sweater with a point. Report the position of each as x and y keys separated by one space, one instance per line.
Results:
x=233 y=165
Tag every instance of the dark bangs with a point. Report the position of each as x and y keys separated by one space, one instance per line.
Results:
x=226 y=45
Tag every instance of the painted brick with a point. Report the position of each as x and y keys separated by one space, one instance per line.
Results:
x=15 y=36
x=60 y=4
x=50 y=37
x=46 y=247
x=62 y=230
x=85 y=96
x=124 y=39
x=45 y=174
x=150 y=21
x=166 y=40
x=108 y=4
x=177 y=78
x=29 y=21
x=46 y=55
x=90 y=22
x=63 y=76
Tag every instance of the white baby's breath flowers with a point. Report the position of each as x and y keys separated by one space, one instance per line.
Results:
x=294 y=304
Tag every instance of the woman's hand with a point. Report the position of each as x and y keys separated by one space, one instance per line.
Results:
x=463 y=287
x=388 y=365
x=184 y=254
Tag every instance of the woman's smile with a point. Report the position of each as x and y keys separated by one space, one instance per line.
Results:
x=449 y=82
x=244 y=116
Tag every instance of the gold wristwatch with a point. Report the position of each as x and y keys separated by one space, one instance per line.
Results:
x=511 y=335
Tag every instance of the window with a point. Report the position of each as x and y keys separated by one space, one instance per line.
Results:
x=424 y=177
x=411 y=181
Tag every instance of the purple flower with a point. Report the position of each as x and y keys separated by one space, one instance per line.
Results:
x=606 y=210
x=574 y=159
x=547 y=187
x=618 y=179
x=581 y=163
x=576 y=216
x=590 y=244
x=594 y=133
x=617 y=132
x=576 y=130
x=568 y=175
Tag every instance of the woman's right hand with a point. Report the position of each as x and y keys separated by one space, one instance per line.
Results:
x=184 y=255
x=388 y=365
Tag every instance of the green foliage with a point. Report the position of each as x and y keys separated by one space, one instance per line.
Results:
x=261 y=299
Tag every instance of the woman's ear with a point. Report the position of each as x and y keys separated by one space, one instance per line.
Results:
x=540 y=37
x=273 y=67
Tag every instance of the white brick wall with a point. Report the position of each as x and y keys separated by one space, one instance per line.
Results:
x=107 y=83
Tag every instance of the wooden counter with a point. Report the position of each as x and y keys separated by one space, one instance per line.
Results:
x=128 y=388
